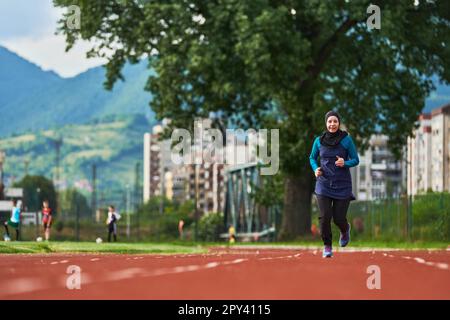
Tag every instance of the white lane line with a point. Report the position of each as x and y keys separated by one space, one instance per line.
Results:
x=388 y=255
x=141 y=272
x=439 y=265
x=95 y=259
x=64 y=261
x=211 y=265
x=234 y=261
x=282 y=257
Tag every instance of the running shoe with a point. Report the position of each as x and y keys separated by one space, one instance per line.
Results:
x=327 y=252
x=345 y=237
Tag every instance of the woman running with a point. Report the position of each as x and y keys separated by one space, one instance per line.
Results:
x=337 y=154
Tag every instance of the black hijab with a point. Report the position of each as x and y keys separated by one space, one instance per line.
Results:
x=331 y=139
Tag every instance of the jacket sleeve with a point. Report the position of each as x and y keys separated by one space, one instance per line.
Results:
x=314 y=154
x=352 y=153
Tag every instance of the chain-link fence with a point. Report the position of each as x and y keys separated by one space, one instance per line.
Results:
x=420 y=218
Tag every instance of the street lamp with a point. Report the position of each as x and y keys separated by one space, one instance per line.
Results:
x=38 y=196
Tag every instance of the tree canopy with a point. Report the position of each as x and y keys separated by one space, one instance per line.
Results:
x=37 y=189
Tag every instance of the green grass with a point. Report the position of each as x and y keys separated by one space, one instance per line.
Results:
x=353 y=244
x=72 y=247
x=186 y=247
x=365 y=244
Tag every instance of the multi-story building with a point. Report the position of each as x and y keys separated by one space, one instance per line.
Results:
x=429 y=153
x=419 y=157
x=204 y=181
x=157 y=163
x=180 y=182
x=440 y=146
x=379 y=174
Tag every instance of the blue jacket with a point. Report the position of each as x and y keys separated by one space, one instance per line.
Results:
x=335 y=182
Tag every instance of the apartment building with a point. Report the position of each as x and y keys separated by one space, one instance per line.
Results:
x=429 y=153
x=378 y=175
x=419 y=157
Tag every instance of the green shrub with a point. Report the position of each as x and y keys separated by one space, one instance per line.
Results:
x=210 y=226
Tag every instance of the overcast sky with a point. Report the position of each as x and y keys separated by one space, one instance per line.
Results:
x=27 y=27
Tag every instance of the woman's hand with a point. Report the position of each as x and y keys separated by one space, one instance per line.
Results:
x=318 y=172
x=339 y=162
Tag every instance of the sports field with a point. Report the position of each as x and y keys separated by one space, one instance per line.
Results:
x=146 y=271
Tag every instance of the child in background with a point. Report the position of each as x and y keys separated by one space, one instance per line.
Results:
x=111 y=221
x=14 y=221
x=46 y=219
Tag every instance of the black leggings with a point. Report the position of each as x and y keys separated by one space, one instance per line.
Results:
x=112 y=229
x=7 y=231
x=332 y=208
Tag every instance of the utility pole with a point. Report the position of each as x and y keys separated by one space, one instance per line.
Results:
x=2 y=186
x=27 y=162
x=38 y=196
x=94 y=191
x=128 y=211
x=137 y=185
x=77 y=226
x=162 y=178
x=136 y=196
x=58 y=143
x=196 y=200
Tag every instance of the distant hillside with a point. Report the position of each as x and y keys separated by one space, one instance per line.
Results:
x=32 y=99
x=19 y=77
x=114 y=144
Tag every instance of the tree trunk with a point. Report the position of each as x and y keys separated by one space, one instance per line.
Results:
x=297 y=205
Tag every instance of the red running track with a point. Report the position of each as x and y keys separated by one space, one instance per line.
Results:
x=238 y=273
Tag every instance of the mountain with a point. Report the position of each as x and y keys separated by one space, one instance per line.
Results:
x=19 y=77
x=113 y=143
x=32 y=99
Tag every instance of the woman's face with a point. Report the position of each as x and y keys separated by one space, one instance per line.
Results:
x=332 y=124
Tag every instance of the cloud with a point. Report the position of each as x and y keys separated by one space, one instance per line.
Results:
x=48 y=52
x=27 y=27
x=27 y=18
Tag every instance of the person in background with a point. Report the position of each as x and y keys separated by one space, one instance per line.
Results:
x=111 y=221
x=46 y=219
x=14 y=221
x=231 y=234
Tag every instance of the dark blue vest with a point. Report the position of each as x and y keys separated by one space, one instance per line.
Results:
x=335 y=182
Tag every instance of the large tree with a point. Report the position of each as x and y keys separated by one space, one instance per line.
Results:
x=280 y=63
x=36 y=189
